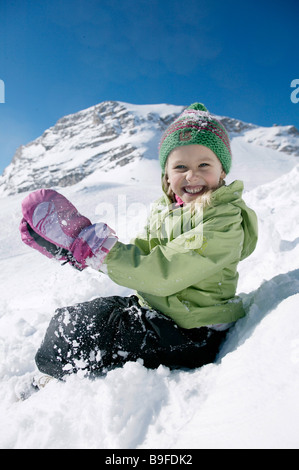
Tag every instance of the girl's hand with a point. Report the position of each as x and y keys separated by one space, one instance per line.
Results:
x=54 y=227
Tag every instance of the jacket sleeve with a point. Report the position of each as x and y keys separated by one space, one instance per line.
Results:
x=170 y=268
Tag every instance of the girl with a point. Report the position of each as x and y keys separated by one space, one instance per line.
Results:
x=184 y=266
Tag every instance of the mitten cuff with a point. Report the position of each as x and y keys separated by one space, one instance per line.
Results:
x=93 y=244
x=96 y=262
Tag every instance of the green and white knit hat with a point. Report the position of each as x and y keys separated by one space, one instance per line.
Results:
x=196 y=126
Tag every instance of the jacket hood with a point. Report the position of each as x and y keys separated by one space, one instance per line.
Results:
x=232 y=194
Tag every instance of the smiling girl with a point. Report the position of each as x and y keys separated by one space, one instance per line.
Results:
x=183 y=267
x=191 y=172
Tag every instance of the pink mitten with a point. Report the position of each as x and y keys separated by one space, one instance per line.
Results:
x=54 y=227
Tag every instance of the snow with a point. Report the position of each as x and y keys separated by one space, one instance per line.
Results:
x=263 y=164
x=247 y=399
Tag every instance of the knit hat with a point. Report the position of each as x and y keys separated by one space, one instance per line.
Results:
x=196 y=126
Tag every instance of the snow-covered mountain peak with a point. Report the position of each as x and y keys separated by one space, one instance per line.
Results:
x=104 y=136
x=282 y=138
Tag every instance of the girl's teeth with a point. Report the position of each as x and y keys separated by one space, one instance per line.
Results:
x=193 y=190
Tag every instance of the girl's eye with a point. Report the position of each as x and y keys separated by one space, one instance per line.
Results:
x=183 y=167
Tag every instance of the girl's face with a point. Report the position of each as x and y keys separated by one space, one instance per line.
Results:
x=192 y=170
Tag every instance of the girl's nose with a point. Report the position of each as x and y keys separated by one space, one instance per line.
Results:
x=191 y=175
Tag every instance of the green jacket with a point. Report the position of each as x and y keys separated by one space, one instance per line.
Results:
x=185 y=264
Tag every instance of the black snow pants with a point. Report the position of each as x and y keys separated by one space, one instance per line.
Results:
x=106 y=332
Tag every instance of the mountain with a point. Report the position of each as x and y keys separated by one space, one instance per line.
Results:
x=115 y=134
x=109 y=135
x=247 y=399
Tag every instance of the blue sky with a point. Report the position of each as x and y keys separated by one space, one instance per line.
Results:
x=58 y=57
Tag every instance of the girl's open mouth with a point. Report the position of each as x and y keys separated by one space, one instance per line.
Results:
x=193 y=189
